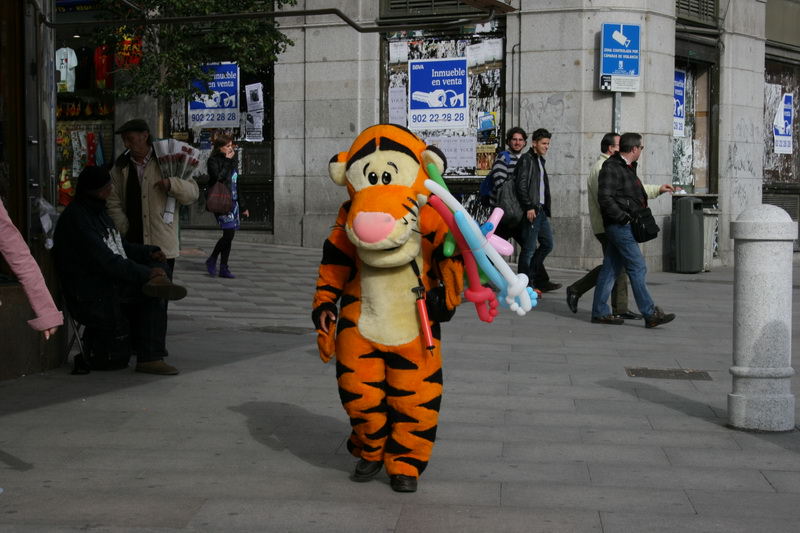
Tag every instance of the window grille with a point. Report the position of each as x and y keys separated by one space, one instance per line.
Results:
x=702 y=11
x=405 y=8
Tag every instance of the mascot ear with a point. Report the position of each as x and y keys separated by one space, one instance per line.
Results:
x=337 y=168
x=432 y=154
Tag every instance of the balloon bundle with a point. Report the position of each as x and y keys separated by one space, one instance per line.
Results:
x=176 y=158
x=481 y=250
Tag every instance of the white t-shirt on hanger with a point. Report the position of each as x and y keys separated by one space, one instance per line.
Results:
x=66 y=61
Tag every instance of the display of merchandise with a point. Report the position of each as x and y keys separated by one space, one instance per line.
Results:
x=79 y=144
x=66 y=62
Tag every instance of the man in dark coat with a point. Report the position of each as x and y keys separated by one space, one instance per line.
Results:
x=620 y=193
x=118 y=290
x=533 y=192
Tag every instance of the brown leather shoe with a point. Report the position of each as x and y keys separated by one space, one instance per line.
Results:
x=157 y=367
x=657 y=318
x=401 y=483
x=162 y=287
x=608 y=319
x=549 y=286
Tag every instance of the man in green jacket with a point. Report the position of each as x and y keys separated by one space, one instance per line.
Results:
x=609 y=146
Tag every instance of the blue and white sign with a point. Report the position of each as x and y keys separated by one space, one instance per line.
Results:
x=218 y=105
x=679 y=104
x=782 y=125
x=437 y=94
x=619 y=57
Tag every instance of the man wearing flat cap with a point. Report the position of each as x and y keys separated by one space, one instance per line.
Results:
x=139 y=197
x=115 y=288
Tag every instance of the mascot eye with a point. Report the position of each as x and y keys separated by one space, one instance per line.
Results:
x=386 y=178
x=372 y=177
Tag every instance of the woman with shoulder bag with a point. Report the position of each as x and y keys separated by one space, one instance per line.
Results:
x=222 y=167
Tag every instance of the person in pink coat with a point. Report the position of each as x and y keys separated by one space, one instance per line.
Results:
x=18 y=256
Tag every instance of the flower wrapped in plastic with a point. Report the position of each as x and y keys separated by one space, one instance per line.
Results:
x=176 y=159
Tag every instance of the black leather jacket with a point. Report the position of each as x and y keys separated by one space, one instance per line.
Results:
x=527 y=183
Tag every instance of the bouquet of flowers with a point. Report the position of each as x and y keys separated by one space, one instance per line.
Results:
x=176 y=159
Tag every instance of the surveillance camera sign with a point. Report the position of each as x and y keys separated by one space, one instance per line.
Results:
x=619 y=57
x=217 y=106
x=437 y=94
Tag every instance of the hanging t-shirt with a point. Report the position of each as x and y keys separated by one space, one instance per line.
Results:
x=66 y=62
x=83 y=72
x=102 y=67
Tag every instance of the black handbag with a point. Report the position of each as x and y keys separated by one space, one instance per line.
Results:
x=643 y=225
x=507 y=201
x=218 y=199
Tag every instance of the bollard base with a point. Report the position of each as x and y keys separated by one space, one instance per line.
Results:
x=762 y=413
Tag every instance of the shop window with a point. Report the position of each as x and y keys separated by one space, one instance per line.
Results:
x=691 y=147
x=781 y=79
x=84 y=108
x=253 y=139
x=469 y=136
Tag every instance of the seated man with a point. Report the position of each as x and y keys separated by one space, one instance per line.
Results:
x=118 y=290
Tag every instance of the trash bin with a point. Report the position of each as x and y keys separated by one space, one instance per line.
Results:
x=688 y=235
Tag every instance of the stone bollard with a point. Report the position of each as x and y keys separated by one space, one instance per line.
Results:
x=762 y=398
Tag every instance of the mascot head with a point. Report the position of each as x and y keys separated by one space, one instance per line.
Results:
x=384 y=172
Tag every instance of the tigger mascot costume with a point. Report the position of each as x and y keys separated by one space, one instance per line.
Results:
x=386 y=242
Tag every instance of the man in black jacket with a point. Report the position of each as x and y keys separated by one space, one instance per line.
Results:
x=534 y=233
x=620 y=193
x=115 y=288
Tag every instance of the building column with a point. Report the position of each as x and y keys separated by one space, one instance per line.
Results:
x=741 y=114
x=553 y=77
x=327 y=89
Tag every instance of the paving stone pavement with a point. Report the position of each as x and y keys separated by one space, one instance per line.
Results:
x=541 y=428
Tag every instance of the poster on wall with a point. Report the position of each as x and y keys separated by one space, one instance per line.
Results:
x=782 y=125
x=398 y=105
x=438 y=94
x=218 y=105
x=679 y=104
x=254 y=118
x=459 y=150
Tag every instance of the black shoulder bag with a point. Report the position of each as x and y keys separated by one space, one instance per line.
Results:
x=643 y=225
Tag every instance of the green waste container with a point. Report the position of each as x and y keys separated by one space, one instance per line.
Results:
x=688 y=236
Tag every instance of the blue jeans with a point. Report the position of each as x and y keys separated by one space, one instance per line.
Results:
x=622 y=251
x=531 y=256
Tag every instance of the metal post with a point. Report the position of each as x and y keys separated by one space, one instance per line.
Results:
x=762 y=370
x=617 y=111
